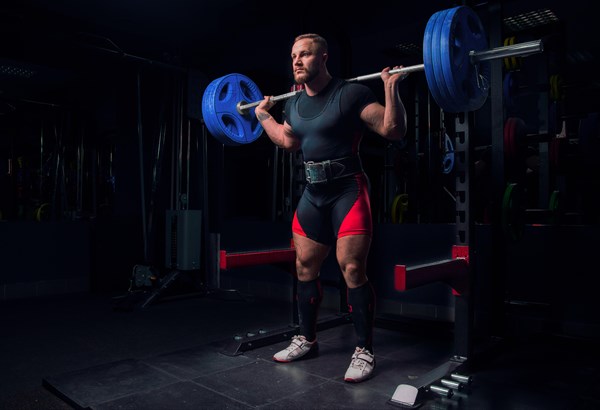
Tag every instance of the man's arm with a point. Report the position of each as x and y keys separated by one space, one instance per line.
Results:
x=389 y=121
x=281 y=134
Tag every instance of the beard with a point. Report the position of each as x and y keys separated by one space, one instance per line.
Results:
x=306 y=76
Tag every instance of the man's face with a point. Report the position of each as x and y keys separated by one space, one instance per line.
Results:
x=307 y=61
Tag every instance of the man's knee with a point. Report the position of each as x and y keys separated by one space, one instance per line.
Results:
x=354 y=272
x=306 y=271
x=351 y=267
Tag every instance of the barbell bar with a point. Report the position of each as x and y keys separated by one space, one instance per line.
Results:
x=455 y=62
x=243 y=107
x=522 y=49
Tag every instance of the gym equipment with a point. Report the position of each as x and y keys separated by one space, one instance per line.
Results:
x=399 y=207
x=448 y=161
x=455 y=61
x=555 y=207
x=411 y=396
x=515 y=141
x=42 y=213
x=241 y=343
x=515 y=215
x=453 y=272
x=556 y=88
x=220 y=109
x=512 y=88
x=511 y=63
x=513 y=211
x=230 y=260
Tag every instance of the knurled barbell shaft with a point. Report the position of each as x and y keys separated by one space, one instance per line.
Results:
x=243 y=108
x=514 y=50
x=406 y=70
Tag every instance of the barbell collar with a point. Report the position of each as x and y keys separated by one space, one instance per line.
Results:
x=514 y=50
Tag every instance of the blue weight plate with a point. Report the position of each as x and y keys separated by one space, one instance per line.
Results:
x=463 y=32
x=219 y=107
x=209 y=113
x=448 y=101
x=220 y=110
x=246 y=90
x=450 y=41
x=208 y=110
x=445 y=48
x=429 y=48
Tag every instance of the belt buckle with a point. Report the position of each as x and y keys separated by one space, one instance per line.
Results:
x=316 y=172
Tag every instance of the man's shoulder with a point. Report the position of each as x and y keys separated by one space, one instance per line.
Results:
x=356 y=88
x=353 y=84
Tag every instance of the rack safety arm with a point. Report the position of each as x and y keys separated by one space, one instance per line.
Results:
x=454 y=272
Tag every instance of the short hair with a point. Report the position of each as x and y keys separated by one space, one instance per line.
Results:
x=319 y=40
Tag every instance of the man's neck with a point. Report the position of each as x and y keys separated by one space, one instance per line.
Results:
x=315 y=86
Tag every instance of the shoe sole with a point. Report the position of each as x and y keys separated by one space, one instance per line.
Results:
x=360 y=380
x=357 y=380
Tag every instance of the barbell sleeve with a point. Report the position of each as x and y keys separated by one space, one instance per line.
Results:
x=514 y=50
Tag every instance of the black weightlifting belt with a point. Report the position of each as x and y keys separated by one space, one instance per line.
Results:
x=327 y=171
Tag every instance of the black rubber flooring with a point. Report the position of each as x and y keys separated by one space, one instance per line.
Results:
x=76 y=352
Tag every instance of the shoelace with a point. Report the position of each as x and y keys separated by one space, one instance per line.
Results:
x=296 y=342
x=359 y=362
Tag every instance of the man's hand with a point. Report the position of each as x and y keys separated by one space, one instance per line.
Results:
x=262 y=110
x=394 y=78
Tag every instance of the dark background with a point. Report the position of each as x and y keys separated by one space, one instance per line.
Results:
x=69 y=96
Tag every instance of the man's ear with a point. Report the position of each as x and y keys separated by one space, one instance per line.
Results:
x=325 y=57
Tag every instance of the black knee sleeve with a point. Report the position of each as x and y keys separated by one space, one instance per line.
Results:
x=361 y=302
x=310 y=295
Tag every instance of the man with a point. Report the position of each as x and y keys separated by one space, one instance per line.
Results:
x=327 y=122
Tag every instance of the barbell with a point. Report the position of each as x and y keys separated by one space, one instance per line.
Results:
x=455 y=61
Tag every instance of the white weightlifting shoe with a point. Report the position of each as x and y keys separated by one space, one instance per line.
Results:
x=299 y=347
x=361 y=367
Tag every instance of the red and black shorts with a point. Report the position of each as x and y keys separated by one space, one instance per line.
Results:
x=334 y=209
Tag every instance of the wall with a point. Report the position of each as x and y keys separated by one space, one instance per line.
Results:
x=40 y=259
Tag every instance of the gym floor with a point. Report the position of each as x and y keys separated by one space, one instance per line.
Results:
x=77 y=351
